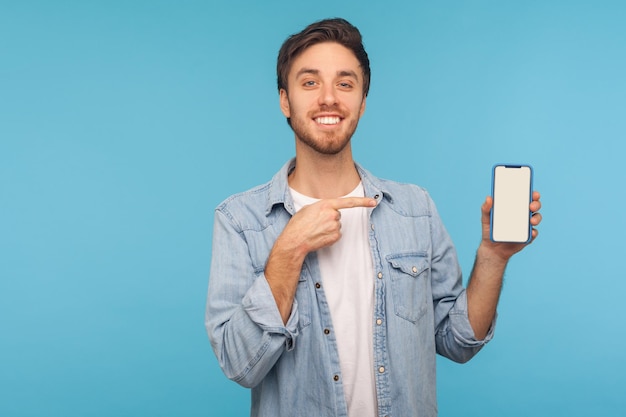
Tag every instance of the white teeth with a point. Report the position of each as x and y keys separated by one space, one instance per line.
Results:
x=327 y=120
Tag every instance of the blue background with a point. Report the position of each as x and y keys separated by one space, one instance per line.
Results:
x=123 y=124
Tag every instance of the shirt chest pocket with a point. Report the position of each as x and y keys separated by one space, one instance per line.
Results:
x=410 y=285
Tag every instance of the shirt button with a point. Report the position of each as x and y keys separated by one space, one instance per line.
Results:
x=336 y=378
x=318 y=285
x=414 y=269
x=326 y=331
x=381 y=369
x=380 y=275
x=379 y=321
x=372 y=226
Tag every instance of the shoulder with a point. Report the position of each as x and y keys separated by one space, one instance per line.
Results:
x=407 y=198
x=262 y=197
x=396 y=187
x=254 y=208
x=245 y=204
x=402 y=197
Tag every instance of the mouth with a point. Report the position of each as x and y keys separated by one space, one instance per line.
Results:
x=327 y=120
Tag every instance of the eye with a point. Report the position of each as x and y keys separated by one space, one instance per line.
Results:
x=345 y=85
x=309 y=83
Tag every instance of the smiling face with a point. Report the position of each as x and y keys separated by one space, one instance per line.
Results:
x=325 y=98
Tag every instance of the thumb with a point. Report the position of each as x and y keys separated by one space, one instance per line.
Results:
x=486 y=208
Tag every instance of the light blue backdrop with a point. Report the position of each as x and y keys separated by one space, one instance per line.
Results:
x=124 y=123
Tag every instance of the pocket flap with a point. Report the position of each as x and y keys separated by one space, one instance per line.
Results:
x=409 y=263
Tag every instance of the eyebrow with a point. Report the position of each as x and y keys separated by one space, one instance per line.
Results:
x=342 y=73
x=307 y=71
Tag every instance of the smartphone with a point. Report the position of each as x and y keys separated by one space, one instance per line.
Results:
x=512 y=190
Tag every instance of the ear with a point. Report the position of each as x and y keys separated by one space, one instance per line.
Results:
x=362 y=106
x=284 y=103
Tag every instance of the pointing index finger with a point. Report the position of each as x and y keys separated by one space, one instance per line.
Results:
x=350 y=202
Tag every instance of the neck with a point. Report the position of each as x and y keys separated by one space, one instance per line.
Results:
x=324 y=176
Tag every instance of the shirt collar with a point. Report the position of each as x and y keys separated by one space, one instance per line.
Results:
x=279 y=187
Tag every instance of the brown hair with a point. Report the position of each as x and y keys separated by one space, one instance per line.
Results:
x=328 y=30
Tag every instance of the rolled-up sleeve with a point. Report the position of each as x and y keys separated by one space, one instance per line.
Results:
x=456 y=336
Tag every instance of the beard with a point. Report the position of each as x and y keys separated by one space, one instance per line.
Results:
x=325 y=143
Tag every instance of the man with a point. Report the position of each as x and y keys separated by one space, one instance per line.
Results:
x=331 y=290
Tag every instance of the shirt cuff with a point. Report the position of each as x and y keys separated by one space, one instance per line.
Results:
x=461 y=327
x=260 y=305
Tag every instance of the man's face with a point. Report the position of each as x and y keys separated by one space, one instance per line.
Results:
x=325 y=99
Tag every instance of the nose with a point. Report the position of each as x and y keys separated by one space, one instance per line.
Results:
x=328 y=95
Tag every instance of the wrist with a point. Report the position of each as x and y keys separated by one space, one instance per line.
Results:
x=288 y=253
x=488 y=252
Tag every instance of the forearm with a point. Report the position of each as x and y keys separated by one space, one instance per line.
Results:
x=282 y=273
x=483 y=290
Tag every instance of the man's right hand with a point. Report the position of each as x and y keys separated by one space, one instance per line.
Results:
x=319 y=225
x=313 y=227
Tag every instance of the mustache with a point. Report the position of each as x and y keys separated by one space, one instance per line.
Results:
x=329 y=109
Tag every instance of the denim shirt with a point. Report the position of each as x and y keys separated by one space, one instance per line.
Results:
x=420 y=305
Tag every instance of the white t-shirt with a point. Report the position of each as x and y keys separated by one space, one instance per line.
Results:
x=347 y=278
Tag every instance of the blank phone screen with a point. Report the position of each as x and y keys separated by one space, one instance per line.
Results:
x=510 y=215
